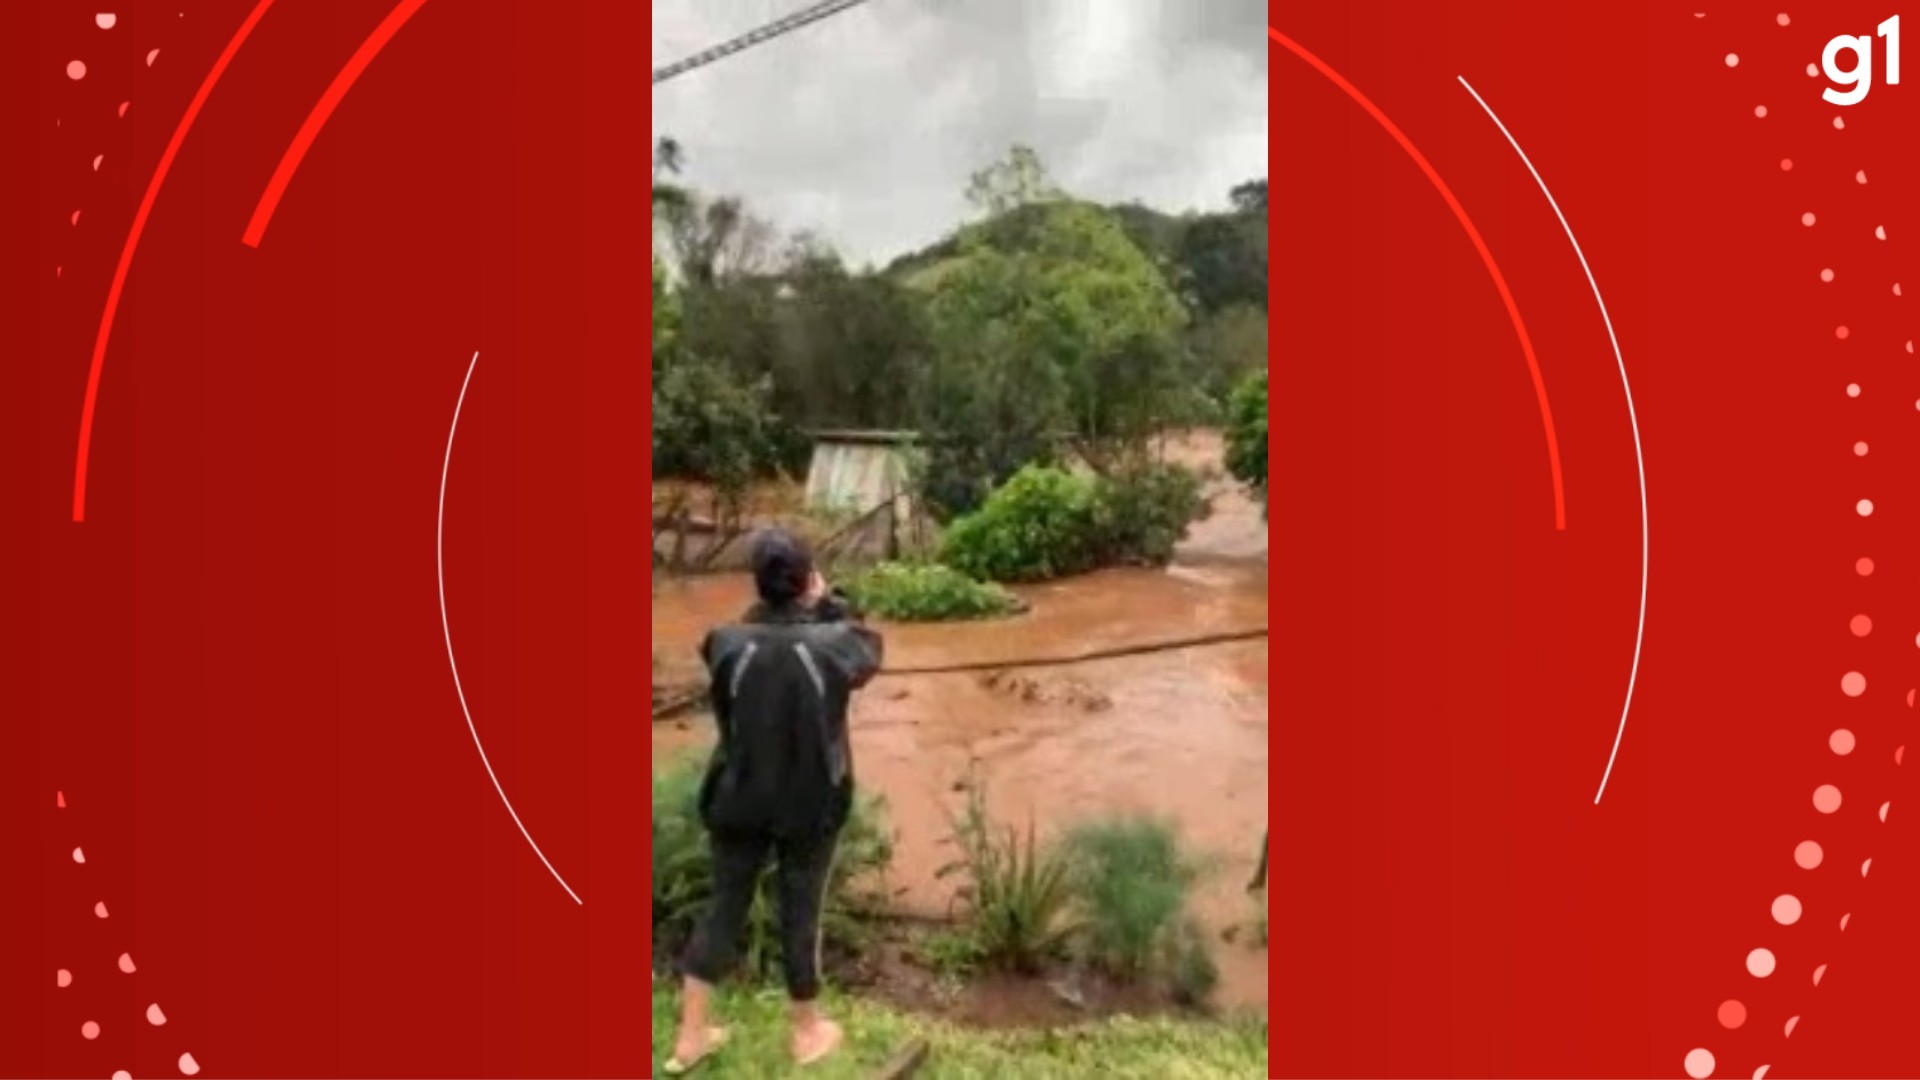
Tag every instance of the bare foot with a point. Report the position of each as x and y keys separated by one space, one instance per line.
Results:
x=694 y=1047
x=816 y=1042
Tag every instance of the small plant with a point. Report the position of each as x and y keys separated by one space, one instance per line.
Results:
x=952 y=954
x=927 y=592
x=1132 y=880
x=683 y=875
x=1017 y=895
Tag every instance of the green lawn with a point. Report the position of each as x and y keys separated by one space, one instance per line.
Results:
x=1161 y=1050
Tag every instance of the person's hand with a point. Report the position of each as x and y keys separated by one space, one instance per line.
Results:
x=816 y=590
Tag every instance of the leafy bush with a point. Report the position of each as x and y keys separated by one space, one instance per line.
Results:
x=1047 y=523
x=927 y=592
x=1143 y=511
x=1247 y=434
x=683 y=875
x=1017 y=895
x=1132 y=879
x=1040 y=525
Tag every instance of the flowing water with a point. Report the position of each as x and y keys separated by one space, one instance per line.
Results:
x=1180 y=734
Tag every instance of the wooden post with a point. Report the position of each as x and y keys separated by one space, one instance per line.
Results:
x=907 y=1061
x=1260 y=877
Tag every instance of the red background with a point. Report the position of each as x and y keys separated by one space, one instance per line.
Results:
x=1449 y=900
x=235 y=670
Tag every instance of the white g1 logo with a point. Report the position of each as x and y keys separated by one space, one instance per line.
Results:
x=1860 y=76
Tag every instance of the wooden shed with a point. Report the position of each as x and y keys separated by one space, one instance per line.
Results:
x=866 y=478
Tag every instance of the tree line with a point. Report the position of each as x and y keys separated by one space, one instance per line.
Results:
x=1045 y=327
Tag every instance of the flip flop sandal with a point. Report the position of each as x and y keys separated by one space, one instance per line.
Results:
x=716 y=1039
x=826 y=1050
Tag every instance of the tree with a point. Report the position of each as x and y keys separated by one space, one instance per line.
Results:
x=1250 y=199
x=1051 y=322
x=1005 y=186
x=1225 y=262
x=1227 y=346
x=664 y=318
x=708 y=427
x=711 y=430
x=668 y=158
x=1247 y=435
x=852 y=346
x=992 y=404
x=714 y=241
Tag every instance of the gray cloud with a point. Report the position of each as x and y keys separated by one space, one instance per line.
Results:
x=865 y=127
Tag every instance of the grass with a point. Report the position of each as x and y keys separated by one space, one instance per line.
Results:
x=1158 y=1049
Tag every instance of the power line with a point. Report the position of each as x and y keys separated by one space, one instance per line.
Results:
x=692 y=697
x=777 y=28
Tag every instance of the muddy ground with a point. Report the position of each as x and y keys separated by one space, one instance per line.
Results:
x=1182 y=734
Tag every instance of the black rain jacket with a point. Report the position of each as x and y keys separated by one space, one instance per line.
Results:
x=782 y=680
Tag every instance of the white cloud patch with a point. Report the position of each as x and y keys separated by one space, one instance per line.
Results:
x=865 y=127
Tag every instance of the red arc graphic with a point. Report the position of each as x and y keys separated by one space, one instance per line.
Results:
x=1479 y=245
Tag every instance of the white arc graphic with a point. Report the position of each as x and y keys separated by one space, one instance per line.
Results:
x=439 y=554
x=1640 y=461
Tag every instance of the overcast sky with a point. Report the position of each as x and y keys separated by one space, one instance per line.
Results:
x=865 y=127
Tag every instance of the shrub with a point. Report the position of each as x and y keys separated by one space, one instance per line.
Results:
x=1038 y=526
x=927 y=592
x=683 y=875
x=1017 y=895
x=1192 y=973
x=1048 y=523
x=1132 y=881
x=1143 y=511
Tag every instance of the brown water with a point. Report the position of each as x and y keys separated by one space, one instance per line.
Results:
x=1180 y=734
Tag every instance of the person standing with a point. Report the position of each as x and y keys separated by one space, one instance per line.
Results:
x=779 y=787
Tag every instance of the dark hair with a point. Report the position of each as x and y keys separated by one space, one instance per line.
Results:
x=782 y=566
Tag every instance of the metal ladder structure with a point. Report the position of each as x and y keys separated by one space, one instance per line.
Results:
x=806 y=16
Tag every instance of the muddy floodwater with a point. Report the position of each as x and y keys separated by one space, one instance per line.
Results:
x=1180 y=734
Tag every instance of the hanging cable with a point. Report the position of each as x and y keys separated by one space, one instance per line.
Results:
x=689 y=698
x=779 y=27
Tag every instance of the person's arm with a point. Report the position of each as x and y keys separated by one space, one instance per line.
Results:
x=857 y=652
x=714 y=654
x=836 y=606
x=854 y=650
